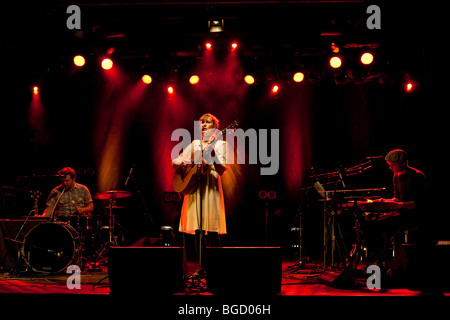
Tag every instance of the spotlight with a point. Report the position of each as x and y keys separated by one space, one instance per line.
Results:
x=107 y=63
x=170 y=90
x=249 y=79
x=334 y=48
x=234 y=46
x=208 y=46
x=366 y=58
x=409 y=87
x=335 y=62
x=35 y=90
x=79 y=61
x=275 y=88
x=146 y=79
x=298 y=77
x=215 y=25
x=194 y=79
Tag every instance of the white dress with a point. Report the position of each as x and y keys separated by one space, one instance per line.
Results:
x=212 y=196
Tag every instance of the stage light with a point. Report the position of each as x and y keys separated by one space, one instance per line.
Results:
x=107 y=64
x=208 y=46
x=298 y=77
x=35 y=90
x=409 y=86
x=366 y=58
x=170 y=90
x=215 y=25
x=194 y=79
x=249 y=79
x=234 y=46
x=79 y=61
x=335 y=62
x=334 y=48
x=275 y=88
x=146 y=79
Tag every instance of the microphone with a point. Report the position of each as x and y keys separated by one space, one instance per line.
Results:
x=129 y=174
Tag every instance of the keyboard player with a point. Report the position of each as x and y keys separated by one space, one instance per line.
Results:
x=404 y=216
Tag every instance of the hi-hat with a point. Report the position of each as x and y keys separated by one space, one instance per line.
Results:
x=111 y=194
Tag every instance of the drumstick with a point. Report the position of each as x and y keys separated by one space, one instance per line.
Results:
x=73 y=203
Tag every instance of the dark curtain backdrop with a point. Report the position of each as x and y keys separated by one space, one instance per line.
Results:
x=103 y=123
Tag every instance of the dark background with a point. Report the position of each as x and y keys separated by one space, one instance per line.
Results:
x=102 y=124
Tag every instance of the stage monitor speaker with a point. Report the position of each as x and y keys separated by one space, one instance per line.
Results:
x=242 y=271
x=145 y=271
x=336 y=278
x=422 y=267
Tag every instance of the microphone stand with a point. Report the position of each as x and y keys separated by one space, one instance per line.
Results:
x=200 y=249
x=141 y=197
x=34 y=211
x=52 y=218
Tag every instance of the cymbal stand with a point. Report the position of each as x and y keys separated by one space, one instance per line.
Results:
x=147 y=212
x=112 y=238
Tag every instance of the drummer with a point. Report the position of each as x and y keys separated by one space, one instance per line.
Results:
x=69 y=198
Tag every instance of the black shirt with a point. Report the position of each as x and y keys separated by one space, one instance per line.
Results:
x=411 y=186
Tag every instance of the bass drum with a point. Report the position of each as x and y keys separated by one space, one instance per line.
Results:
x=51 y=247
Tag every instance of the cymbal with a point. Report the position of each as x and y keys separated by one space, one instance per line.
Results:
x=114 y=207
x=111 y=194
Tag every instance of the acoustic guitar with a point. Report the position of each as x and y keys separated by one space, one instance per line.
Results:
x=187 y=176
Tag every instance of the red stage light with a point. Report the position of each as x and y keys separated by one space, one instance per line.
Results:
x=234 y=46
x=107 y=64
x=79 y=61
x=194 y=79
x=275 y=88
x=409 y=87
x=335 y=62
x=170 y=90
x=334 y=48
x=208 y=46
x=35 y=90
x=146 y=79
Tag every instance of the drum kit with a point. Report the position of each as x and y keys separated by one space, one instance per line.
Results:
x=51 y=246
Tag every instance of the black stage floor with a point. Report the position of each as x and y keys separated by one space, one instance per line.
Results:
x=302 y=288
x=304 y=279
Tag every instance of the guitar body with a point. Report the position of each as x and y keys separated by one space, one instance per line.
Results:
x=185 y=179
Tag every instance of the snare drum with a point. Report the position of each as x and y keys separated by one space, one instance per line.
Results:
x=51 y=247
